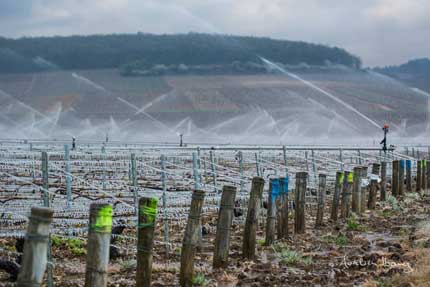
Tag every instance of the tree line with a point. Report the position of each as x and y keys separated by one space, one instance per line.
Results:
x=177 y=53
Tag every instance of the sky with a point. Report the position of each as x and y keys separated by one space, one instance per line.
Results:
x=380 y=32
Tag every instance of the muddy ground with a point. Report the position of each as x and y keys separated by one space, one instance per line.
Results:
x=389 y=246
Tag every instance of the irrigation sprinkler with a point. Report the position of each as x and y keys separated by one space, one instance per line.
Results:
x=101 y=174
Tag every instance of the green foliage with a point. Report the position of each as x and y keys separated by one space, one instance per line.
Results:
x=158 y=54
x=261 y=241
x=10 y=248
x=340 y=240
x=392 y=201
x=387 y=213
x=353 y=225
x=290 y=257
x=128 y=265
x=56 y=241
x=199 y=280
x=75 y=245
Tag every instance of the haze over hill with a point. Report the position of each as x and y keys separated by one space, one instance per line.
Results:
x=208 y=87
x=415 y=73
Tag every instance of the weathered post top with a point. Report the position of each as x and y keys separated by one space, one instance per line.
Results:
x=35 y=247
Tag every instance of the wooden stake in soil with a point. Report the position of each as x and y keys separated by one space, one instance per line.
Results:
x=35 y=248
x=336 y=195
x=225 y=219
x=371 y=203
x=383 y=180
x=363 y=190
x=271 y=211
x=45 y=179
x=356 y=192
x=282 y=208
x=346 y=202
x=300 y=201
x=424 y=176
x=418 y=181
x=408 y=175
x=251 y=224
x=395 y=179
x=145 y=240
x=375 y=168
x=401 y=177
x=191 y=237
x=99 y=232
x=321 y=199
x=428 y=174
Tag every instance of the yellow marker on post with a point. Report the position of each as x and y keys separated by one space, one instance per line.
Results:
x=341 y=178
x=103 y=220
x=149 y=212
x=350 y=177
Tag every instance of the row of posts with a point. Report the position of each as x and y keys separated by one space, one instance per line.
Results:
x=349 y=192
x=100 y=226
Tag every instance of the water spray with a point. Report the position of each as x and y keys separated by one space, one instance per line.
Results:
x=315 y=87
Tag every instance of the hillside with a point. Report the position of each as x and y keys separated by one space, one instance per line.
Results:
x=268 y=108
x=148 y=54
x=415 y=73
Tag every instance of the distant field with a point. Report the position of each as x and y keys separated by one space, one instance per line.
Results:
x=95 y=102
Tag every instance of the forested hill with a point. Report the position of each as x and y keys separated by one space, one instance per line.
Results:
x=157 y=54
x=415 y=73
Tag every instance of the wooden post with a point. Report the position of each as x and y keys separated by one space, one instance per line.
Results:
x=103 y=158
x=401 y=177
x=213 y=169
x=383 y=180
x=45 y=179
x=241 y=171
x=375 y=168
x=190 y=241
x=282 y=208
x=418 y=180
x=195 y=171
x=341 y=159
x=47 y=203
x=35 y=248
x=300 y=200
x=314 y=166
x=257 y=164
x=427 y=174
x=225 y=219
x=134 y=184
x=371 y=203
x=424 y=176
x=336 y=196
x=165 y=219
x=321 y=199
x=99 y=232
x=271 y=211
x=196 y=187
x=251 y=224
x=363 y=190
x=408 y=175
x=284 y=153
x=356 y=192
x=68 y=175
x=395 y=179
x=145 y=239
x=348 y=181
